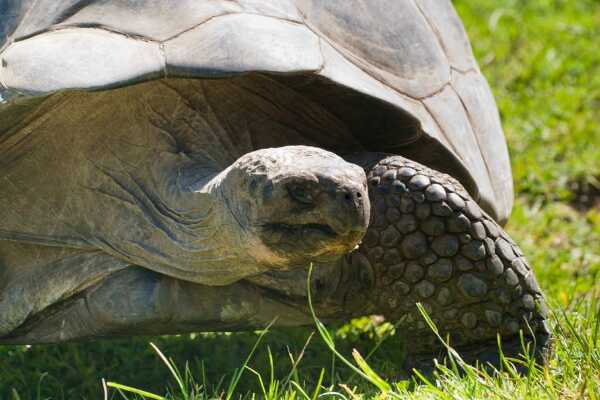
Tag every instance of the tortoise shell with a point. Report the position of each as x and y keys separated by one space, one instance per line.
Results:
x=400 y=74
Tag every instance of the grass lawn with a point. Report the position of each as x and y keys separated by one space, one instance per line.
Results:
x=542 y=58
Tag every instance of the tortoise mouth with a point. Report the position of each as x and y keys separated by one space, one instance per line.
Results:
x=304 y=242
x=315 y=241
x=300 y=230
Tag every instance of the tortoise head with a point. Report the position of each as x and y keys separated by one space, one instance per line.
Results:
x=299 y=203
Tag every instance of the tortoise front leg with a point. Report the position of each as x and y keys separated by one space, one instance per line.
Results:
x=429 y=242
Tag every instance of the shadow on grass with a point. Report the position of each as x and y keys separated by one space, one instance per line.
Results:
x=75 y=370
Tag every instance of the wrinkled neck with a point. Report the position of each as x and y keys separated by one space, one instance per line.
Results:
x=202 y=185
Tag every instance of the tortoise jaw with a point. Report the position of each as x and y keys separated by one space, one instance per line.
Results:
x=283 y=235
x=301 y=243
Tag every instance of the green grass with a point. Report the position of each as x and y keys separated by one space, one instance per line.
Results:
x=542 y=60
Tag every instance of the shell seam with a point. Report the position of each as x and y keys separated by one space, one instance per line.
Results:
x=225 y=14
x=487 y=167
x=101 y=27
x=342 y=52
x=304 y=22
x=320 y=69
x=406 y=97
x=163 y=54
x=163 y=42
x=476 y=196
x=175 y=36
x=464 y=71
x=348 y=55
x=432 y=94
x=452 y=146
x=438 y=37
x=132 y=35
x=35 y=3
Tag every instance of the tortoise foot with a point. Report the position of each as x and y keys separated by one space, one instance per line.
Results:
x=486 y=354
x=428 y=242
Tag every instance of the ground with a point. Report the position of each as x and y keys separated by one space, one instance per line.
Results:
x=542 y=60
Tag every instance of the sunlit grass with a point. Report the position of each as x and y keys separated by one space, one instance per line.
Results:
x=572 y=371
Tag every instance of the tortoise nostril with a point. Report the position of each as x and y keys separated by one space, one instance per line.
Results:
x=352 y=197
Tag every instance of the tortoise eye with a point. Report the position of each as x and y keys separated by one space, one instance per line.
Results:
x=300 y=194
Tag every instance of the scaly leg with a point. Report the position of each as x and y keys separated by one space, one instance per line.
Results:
x=429 y=242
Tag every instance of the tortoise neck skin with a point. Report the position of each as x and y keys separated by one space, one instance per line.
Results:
x=124 y=153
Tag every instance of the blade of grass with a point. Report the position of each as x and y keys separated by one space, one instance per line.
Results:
x=238 y=373
x=171 y=368
x=133 y=390
x=260 y=381
x=318 y=387
x=296 y=362
x=366 y=368
x=104 y=390
x=379 y=383
x=300 y=389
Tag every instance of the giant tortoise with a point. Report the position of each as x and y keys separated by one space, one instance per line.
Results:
x=169 y=167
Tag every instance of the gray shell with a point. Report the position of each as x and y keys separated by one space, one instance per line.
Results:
x=410 y=58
